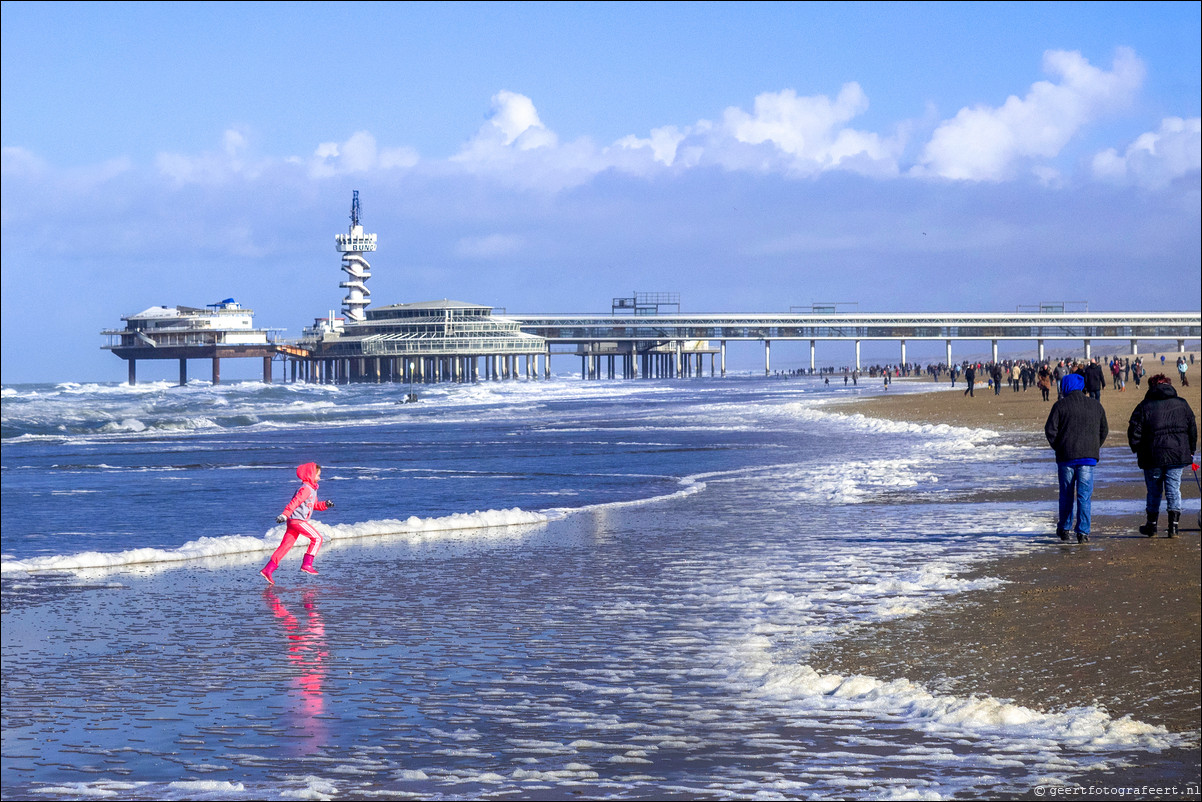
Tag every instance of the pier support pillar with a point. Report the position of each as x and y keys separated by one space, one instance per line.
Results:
x=994 y=350
x=1088 y=350
x=857 y=354
x=949 y=355
x=903 y=355
x=722 y=347
x=183 y=372
x=1181 y=346
x=767 y=357
x=813 y=353
x=216 y=370
x=267 y=370
x=133 y=371
x=1134 y=348
x=1039 y=343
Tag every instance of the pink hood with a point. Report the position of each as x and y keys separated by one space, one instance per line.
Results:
x=307 y=473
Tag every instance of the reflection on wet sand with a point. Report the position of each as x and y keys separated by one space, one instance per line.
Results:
x=307 y=655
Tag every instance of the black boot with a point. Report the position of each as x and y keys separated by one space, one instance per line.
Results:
x=1174 y=519
x=1149 y=529
x=1062 y=534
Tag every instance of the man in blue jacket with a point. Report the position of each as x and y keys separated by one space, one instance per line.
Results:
x=1076 y=429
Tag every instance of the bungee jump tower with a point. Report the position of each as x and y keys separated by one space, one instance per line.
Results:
x=352 y=246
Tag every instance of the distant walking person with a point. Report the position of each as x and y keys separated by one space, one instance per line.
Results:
x=970 y=376
x=1182 y=366
x=1045 y=381
x=1163 y=433
x=1094 y=379
x=297 y=513
x=1076 y=428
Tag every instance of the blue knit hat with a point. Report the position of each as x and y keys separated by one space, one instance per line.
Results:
x=1072 y=383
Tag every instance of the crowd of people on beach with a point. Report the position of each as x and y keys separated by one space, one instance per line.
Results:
x=1018 y=374
x=1162 y=431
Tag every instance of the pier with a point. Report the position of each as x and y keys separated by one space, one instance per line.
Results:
x=643 y=336
x=675 y=344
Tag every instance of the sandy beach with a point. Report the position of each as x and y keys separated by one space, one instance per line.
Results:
x=1113 y=623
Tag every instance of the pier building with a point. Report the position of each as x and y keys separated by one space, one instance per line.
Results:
x=218 y=331
x=427 y=341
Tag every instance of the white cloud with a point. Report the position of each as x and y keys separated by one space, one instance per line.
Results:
x=985 y=143
x=513 y=125
x=662 y=143
x=210 y=167
x=358 y=154
x=810 y=129
x=1156 y=158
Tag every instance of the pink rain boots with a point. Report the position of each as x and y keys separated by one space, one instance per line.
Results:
x=268 y=570
x=307 y=564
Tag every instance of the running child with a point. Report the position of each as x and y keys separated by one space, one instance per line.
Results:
x=297 y=513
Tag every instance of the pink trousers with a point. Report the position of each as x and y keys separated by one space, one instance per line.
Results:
x=296 y=528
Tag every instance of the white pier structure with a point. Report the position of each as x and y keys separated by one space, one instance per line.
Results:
x=666 y=345
x=352 y=246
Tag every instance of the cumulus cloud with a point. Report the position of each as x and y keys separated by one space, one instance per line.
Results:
x=811 y=130
x=513 y=124
x=358 y=154
x=1156 y=158
x=211 y=167
x=783 y=132
x=985 y=143
x=662 y=143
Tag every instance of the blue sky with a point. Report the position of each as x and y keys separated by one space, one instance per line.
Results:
x=547 y=157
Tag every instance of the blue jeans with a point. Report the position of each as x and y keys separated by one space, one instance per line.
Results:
x=1167 y=479
x=1076 y=484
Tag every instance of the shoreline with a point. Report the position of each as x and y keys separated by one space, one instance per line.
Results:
x=1115 y=623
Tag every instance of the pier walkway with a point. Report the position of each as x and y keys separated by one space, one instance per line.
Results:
x=675 y=344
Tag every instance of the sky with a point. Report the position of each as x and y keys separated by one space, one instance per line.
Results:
x=546 y=158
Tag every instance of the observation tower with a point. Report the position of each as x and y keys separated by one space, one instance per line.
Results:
x=352 y=246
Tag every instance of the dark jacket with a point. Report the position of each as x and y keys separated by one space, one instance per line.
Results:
x=1094 y=379
x=1163 y=430
x=1076 y=427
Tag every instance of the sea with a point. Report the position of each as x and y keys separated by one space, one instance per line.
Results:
x=535 y=589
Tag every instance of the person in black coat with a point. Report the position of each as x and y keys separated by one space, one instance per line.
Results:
x=1163 y=433
x=1076 y=428
x=1094 y=379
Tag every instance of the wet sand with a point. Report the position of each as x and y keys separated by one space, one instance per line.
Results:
x=1114 y=623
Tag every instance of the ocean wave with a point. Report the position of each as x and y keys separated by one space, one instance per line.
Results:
x=218 y=550
x=209 y=549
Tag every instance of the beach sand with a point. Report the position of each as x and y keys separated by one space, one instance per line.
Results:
x=1114 y=623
